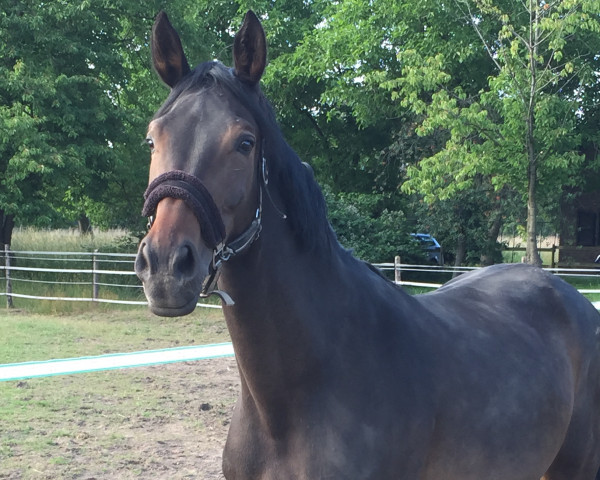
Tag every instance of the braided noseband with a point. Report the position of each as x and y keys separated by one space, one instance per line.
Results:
x=178 y=184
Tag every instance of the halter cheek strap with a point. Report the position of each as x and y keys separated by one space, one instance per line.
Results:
x=223 y=252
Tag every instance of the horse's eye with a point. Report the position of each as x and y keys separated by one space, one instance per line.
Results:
x=150 y=143
x=246 y=146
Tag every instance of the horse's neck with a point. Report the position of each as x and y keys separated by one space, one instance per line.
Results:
x=279 y=321
x=290 y=307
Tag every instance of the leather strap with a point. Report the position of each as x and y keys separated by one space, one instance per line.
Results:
x=178 y=184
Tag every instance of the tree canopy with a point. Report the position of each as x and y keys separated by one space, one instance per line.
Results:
x=416 y=115
x=519 y=131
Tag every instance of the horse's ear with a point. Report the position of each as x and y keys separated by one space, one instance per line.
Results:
x=250 y=50
x=167 y=53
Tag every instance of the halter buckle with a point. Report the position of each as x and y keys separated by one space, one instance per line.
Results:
x=209 y=286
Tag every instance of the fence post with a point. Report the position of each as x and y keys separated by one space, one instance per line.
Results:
x=95 y=286
x=397 y=272
x=9 y=300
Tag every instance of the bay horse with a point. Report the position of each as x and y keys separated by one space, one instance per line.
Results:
x=494 y=376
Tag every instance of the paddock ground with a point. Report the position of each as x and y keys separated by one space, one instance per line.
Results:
x=160 y=422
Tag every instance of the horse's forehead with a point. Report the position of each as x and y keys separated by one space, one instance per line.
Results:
x=198 y=125
x=208 y=108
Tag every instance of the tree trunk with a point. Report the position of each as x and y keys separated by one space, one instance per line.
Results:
x=532 y=255
x=85 y=226
x=7 y=224
x=461 y=252
x=491 y=249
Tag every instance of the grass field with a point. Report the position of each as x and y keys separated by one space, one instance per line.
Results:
x=29 y=337
x=115 y=424
x=514 y=256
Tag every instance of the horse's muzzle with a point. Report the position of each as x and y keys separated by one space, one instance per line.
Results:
x=172 y=277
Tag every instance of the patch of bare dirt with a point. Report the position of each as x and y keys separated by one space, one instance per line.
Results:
x=162 y=422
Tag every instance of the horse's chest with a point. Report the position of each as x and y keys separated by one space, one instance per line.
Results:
x=339 y=444
x=298 y=458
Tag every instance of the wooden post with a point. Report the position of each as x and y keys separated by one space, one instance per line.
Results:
x=9 y=300
x=397 y=272
x=95 y=286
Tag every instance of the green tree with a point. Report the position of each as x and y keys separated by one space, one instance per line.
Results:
x=520 y=130
x=58 y=120
x=329 y=107
x=76 y=92
x=364 y=139
x=323 y=83
x=373 y=232
x=459 y=75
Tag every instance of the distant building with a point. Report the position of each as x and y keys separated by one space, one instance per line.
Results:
x=580 y=224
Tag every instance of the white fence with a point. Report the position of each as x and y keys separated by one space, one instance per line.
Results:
x=121 y=277
x=92 y=275
x=111 y=277
x=112 y=361
x=106 y=274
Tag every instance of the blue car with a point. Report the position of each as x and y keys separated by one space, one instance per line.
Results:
x=431 y=247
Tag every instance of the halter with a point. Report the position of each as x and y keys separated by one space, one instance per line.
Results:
x=178 y=184
x=223 y=252
x=189 y=188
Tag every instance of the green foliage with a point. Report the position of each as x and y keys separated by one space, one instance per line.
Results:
x=486 y=128
x=464 y=221
x=56 y=116
x=76 y=92
x=427 y=97
x=374 y=67
x=325 y=88
x=513 y=131
x=373 y=232
x=59 y=122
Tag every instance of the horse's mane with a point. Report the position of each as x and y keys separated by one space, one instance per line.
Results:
x=303 y=201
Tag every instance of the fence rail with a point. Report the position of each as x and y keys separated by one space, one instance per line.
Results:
x=106 y=274
x=111 y=278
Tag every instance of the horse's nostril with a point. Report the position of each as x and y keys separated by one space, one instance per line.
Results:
x=184 y=261
x=141 y=262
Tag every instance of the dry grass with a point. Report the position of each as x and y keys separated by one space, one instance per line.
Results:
x=70 y=240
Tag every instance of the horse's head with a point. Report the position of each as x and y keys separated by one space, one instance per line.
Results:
x=204 y=195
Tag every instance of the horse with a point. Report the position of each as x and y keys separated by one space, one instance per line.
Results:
x=496 y=375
